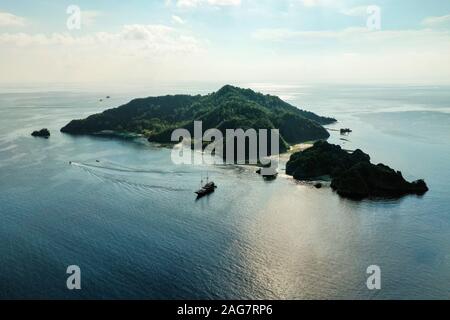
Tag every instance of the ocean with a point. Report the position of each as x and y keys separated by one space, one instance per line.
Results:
x=127 y=216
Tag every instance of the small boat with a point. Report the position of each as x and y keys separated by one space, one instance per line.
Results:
x=206 y=189
x=271 y=175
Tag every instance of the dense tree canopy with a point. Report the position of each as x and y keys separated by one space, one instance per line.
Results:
x=228 y=108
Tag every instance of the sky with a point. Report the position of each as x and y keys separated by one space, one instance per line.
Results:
x=275 y=41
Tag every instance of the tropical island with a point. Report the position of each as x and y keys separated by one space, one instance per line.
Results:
x=229 y=108
x=352 y=174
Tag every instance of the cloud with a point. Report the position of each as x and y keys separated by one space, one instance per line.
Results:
x=360 y=11
x=224 y=2
x=321 y=3
x=88 y=17
x=171 y=52
x=133 y=53
x=437 y=22
x=130 y=39
x=357 y=36
x=10 y=20
x=338 y=5
x=160 y=38
x=177 y=20
x=376 y=56
x=197 y=3
x=282 y=34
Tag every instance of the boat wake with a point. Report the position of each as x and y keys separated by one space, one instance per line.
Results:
x=110 y=166
x=106 y=173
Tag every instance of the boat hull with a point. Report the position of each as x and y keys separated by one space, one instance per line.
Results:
x=210 y=188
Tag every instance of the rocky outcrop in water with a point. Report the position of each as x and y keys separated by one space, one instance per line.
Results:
x=352 y=174
x=43 y=133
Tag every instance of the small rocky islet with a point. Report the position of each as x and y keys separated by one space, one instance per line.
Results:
x=43 y=133
x=352 y=174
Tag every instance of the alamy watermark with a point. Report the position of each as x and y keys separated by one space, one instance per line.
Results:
x=374 y=18
x=74 y=280
x=374 y=280
x=251 y=146
x=74 y=20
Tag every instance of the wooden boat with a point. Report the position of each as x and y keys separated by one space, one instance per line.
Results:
x=206 y=189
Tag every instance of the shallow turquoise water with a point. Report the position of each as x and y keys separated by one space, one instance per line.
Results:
x=133 y=226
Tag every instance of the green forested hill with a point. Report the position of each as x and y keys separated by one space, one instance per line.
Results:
x=228 y=108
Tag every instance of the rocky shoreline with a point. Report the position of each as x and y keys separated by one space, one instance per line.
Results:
x=353 y=175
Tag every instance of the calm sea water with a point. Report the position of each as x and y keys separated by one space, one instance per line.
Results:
x=131 y=222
